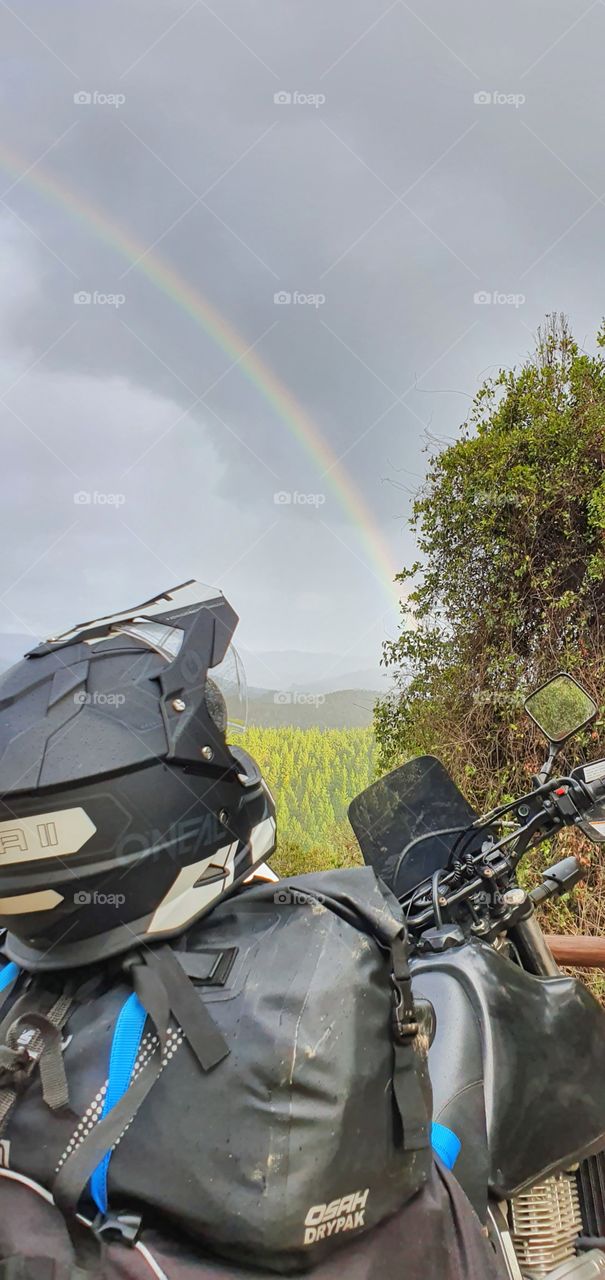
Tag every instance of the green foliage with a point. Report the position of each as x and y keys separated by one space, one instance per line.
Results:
x=313 y=774
x=510 y=586
x=339 y=850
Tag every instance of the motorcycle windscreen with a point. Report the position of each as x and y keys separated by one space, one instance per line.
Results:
x=407 y=822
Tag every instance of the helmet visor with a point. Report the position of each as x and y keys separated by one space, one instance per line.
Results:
x=230 y=678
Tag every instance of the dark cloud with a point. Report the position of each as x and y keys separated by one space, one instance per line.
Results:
x=424 y=158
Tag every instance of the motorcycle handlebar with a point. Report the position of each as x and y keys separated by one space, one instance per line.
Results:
x=564 y=801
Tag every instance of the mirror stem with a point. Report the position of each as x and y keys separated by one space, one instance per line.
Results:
x=547 y=767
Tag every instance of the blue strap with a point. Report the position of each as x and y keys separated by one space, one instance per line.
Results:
x=124 y=1049
x=8 y=974
x=445 y=1144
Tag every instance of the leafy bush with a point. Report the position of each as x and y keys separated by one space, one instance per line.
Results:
x=510 y=584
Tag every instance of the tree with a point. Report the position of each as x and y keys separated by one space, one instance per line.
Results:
x=510 y=584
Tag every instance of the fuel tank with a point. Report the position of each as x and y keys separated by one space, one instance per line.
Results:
x=517 y=1066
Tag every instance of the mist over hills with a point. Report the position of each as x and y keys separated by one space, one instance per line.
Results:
x=312 y=672
x=285 y=687
x=344 y=709
x=312 y=690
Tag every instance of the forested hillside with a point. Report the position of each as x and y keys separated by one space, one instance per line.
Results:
x=344 y=709
x=313 y=775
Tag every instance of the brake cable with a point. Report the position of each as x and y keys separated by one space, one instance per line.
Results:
x=488 y=818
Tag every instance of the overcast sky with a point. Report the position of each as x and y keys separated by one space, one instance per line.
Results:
x=178 y=164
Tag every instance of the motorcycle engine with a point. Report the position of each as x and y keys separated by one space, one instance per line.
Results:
x=545 y=1223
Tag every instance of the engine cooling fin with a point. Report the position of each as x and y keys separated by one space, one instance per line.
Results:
x=545 y=1224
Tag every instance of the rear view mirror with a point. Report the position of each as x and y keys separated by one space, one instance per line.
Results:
x=560 y=707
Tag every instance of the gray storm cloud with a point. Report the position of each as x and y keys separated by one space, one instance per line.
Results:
x=381 y=202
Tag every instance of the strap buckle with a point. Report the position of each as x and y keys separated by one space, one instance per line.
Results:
x=125 y=1227
x=29 y=1045
x=16 y=1067
x=403 y=1017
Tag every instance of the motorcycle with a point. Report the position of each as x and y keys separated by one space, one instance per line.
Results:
x=517 y=1052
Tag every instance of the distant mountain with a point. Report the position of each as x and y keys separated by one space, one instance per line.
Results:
x=368 y=678
x=346 y=709
x=285 y=687
x=312 y=672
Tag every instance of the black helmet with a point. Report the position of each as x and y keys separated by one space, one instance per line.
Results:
x=124 y=814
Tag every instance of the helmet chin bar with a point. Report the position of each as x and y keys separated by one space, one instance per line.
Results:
x=194 y=889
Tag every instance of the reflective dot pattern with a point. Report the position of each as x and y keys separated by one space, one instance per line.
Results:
x=92 y=1115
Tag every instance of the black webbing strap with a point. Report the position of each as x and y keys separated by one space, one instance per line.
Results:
x=32 y=1037
x=153 y=996
x=201 y=1032
x=47 y=1049
x=90 y=1253
x=75 y=1173
x=32 y=999
x=77 y=1169
x=408 y=1063
x=404 y=1012
x=162 y=987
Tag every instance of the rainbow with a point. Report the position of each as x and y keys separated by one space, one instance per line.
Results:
x=190 y=300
